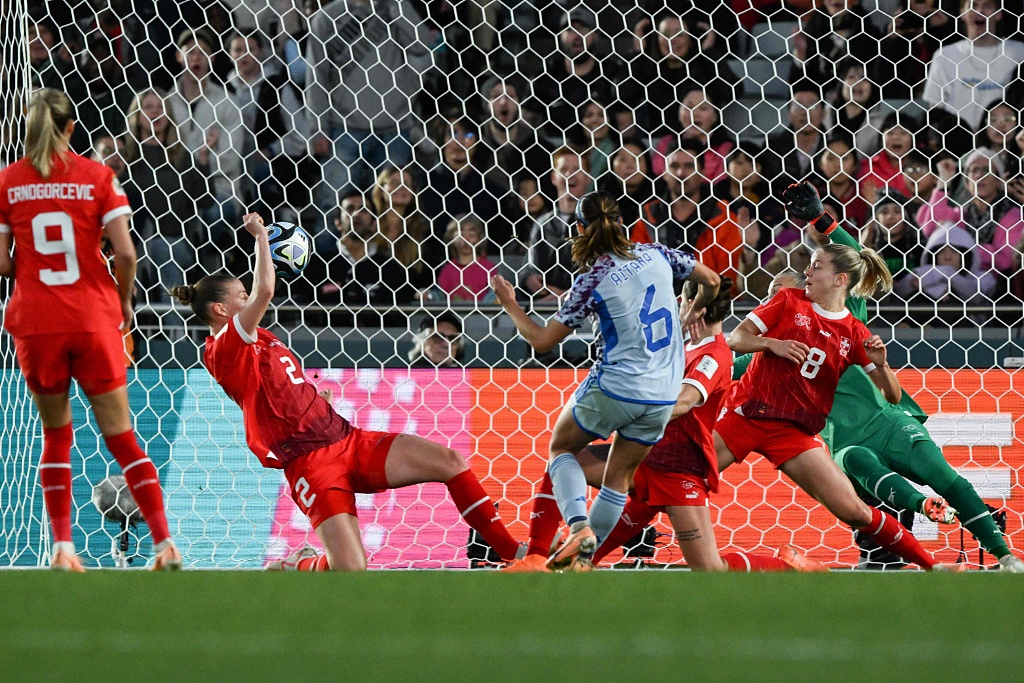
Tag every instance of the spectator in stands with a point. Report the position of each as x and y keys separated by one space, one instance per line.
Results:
x=274 y=116
x=966 y=76
x=508 y=144
x=835 y=31
x=524 y=208
x=597 y=136
x=209 y=126
x=794 y=149
x=999 y=132
x=456 y=186
x=667 y=65
x=859 y=112
x=629 y=179
x=339 y=273
x=574 y=74
x=109 y=151
x=918 y=175
x=950 y=269
x=884 y=169
x=354 y=48
x=992 y=219
x=467 y=275
x=698 y=120
x=550 y=271
x=438 y=342
x=403 y=236
x=688 y=216
x=171 y=184
x=108 y=91
x=52 y=66
x=838 y=167
x=917 y=30
x=893 y=234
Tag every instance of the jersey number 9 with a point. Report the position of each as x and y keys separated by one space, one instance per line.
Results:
x=64 y=245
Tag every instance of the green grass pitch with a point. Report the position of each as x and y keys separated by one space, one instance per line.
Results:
x=483 y=626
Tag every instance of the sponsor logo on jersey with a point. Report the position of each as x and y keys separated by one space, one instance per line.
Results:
x=801 y=320
x=687 y=484
x=827 y=335
x=844 y=346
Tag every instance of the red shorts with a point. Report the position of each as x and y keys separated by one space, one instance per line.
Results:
x=95 y=359
x=324 y=483
x=659 y=490
x=776 y=440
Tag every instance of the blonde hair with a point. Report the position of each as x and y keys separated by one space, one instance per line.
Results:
x=406 y=249
x=865 y=268
x=133 y=141
x=455 y=229
x=49 y=112
x=603 y=232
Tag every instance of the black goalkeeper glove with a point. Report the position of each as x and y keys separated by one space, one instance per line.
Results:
x=803 y=202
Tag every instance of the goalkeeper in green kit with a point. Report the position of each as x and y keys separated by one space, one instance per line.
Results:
x=880 y=445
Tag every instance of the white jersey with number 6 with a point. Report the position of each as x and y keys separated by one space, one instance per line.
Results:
x=636 y=320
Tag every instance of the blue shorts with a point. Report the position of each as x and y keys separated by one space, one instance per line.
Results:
x=599 y=414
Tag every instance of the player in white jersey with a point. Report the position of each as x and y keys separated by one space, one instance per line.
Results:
x=628 y=290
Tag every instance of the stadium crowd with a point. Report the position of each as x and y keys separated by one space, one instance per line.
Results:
x=430 y=145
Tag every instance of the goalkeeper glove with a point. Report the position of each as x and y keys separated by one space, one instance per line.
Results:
x=803 y=202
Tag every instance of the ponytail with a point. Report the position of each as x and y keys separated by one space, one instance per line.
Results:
x=211 y=289
x=720 y=307
x=49 y=112
x=867 y=271
x=599 y=214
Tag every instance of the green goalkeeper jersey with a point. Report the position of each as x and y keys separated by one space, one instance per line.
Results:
x=860 y=410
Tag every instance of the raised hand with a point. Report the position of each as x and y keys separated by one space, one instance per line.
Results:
x=253 y=224
x=875 y=349
x=503 y=290
x=802 y=200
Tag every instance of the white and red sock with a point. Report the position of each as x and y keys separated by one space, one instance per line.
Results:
x=477 y=508
x=55 y=478
x=544 y=519
x=143 y=482
x=750 y=562
x=313 y=564
x=893 y=536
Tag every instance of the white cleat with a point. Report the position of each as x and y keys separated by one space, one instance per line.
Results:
x=291 y=563
x=167 y=558
x=1011 y=564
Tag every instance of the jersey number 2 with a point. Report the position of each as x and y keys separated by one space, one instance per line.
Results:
x=65 y=245
x=294 y=374
x=811 y=366
x=649 y=317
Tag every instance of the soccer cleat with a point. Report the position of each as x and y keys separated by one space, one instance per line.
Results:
x=581 y=563
x=291 y=563
x=945 y=567
x=167 y=558
x=796 y=559
x=531 y=564
x=65 y=559
x=582 y=542
x=1011 y=564
x=938 y=510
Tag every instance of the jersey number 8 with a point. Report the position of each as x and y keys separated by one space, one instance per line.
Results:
x=811 y=366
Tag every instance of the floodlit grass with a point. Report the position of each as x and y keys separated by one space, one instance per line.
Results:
x=484 y=626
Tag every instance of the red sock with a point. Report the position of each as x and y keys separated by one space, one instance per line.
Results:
x=742 y=562
x=143 y=482
x=893 y=536
x=55 y=478
x=478 y=510
x=544 y=519
x=635 y=518
x=313 y=564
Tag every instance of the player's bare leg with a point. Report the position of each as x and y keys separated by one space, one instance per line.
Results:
x=115 y=423
x=343 y=544
x=569 y=486
x=816 y=473
x=725 y=456
x=696 y=537
x=414 y=460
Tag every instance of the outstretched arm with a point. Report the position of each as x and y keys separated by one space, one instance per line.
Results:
x=542 y=339
x=263 y=276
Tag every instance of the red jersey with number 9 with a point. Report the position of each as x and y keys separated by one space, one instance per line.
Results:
x=284 y=415
x=778 y=388
x=62 y=282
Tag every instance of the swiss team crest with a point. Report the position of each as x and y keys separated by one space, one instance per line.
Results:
x=802 y=320
x=844 y=346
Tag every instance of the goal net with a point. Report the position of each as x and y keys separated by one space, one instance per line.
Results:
x=427 y=146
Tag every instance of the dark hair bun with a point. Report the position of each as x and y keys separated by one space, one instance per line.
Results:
x=184 y=293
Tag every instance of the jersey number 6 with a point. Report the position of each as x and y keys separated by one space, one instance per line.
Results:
x=65 y=245
x=811 y=366
x=648 y=318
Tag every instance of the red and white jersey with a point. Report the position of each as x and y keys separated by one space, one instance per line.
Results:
x=284 y=415
x=687 y=447
x=778 y=388
x=62 y=282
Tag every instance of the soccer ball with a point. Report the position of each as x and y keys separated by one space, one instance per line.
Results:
x=290 y=248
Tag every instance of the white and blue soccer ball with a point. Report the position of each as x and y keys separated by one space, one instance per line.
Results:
x=290 y=248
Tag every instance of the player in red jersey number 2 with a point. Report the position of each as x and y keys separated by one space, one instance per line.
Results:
x=289 y=426
x=66 y=313
x=806 y=340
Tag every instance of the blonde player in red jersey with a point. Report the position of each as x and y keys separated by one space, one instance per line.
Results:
x=67 y=312
x=680 y=471
x=290 y=426
x=806 y=339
